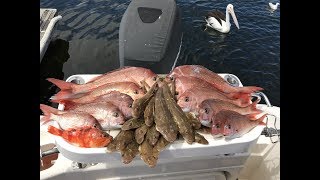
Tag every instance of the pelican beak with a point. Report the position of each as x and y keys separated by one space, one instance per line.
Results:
x=234 y=19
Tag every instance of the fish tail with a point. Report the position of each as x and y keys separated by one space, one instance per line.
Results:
x=243 y=102
x=61 y=84
x=253 y=107
x=47 y=111
x=67 y=103
x=239 y=95
x=63 y=95
x=55 y=131
x=249 y=89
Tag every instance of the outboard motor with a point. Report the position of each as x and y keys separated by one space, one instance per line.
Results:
x=150 y=35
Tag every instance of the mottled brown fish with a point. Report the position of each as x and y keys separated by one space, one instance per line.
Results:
x=140 y=133
x=149 y=112
x=152 y=135
x=148 y=155
x=132 y=123
x=123 y=139
x=161 y=144
x=179 y=117
x=140 y=104
x=163 y=118
x=130 y=152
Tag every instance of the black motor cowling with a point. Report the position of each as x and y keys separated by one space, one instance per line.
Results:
x=150 y=35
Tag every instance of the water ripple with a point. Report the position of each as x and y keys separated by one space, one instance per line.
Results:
x=252 y=52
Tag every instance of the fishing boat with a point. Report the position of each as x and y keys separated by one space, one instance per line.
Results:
x=244 y=158
x=48 y=21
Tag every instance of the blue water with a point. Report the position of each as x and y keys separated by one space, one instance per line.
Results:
x=86 y=41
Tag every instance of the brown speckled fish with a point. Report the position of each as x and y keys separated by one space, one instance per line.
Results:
x=140 y=104
x=179 y=117
x=163 y=118
x=140 y=133
x=148 y=154
x=149 y=112
x=132 y=123
x=152 y=135
x=130 y=152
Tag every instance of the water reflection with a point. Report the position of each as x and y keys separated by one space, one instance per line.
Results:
x=52 y=66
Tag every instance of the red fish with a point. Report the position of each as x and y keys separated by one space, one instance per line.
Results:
x=211 y=77
x=86 y=137
x=184 y=83
x=121 y=100
x=67 y=120
x=107 y=114
x=210 y=107
x=190 y=100
x=129 y=74
x=235 y=124
x=129 y=88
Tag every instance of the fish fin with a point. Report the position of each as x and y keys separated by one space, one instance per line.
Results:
x=253 y=116
x=47 y=111
x=243 y=102
x=239 y=95
x=260 y=120
x=61 y=95
x=61 y=84
x=66 y=94
x=55 y=131
x=249 y=89
x=253 y=107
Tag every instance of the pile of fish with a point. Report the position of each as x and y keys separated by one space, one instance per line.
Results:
x=151 y=111
x=228 y=110
x=102 y=104
x=157 y=121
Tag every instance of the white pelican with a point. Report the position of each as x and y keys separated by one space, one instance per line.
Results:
x=273 y=6
x=220 y=22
